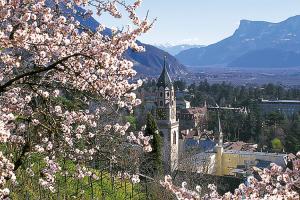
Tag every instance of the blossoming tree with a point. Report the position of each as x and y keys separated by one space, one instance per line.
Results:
x=46 y=55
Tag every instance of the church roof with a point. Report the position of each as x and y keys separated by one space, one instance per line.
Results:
x=164 y=79
x=204 y=145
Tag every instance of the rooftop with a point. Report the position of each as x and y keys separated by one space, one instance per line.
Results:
x=280 y=101
x=204 y=145
x=240 y=146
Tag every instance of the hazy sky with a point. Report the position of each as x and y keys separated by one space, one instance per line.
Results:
x=208 y=21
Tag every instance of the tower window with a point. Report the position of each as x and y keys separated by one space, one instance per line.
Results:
x=174 y=137
x=168 y=94
x=161 y=94
x=161 y=103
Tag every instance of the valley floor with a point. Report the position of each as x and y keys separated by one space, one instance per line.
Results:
x=246 y=76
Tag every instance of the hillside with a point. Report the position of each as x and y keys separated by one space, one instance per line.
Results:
x=146 y=63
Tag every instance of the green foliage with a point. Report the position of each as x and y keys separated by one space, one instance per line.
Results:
x=66 y=187
x=276 y=144
x=274 y=118
x=180 y=85
x=293 y=136
x=156 y=143
x=253 y=127
x=149 y=84
x=71 y=104
x=133 y=123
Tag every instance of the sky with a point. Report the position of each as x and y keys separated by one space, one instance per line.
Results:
x=206 y=22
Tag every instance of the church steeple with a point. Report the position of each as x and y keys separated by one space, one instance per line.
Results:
x=165 y=114
x=164 y=79
x=219 y=150
x=220 y=132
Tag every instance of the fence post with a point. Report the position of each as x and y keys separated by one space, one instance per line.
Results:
x=91 y=185
x=125 y=188
x=101 y=174
x=132 y=190
x=27 y=196
x=147 y=197
x=58 y=185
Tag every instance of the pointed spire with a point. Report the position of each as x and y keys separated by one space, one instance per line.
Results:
x=220 y=132
x=164 y=79
x=164 y=66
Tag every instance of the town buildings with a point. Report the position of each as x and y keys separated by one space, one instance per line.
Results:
x=188 y=146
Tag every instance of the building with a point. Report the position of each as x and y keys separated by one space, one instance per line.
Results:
x=192 y=119
x=287 y=107
x=174 y=118
x=232 y=159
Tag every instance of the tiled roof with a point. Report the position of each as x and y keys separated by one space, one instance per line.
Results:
x=206 y=145
x=240 y=146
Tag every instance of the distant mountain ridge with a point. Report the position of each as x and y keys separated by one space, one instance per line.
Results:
x=146 y=63
x=244 y=47
x=151 y=61
x=175 y=49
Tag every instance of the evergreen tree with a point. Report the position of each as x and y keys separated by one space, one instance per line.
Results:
x=180 y=85
x=155 y=156
x=293 y=136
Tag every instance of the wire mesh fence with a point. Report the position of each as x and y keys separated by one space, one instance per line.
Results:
x=108 y=185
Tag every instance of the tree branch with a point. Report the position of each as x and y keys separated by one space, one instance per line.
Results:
x=19 y=161
x=50 y=67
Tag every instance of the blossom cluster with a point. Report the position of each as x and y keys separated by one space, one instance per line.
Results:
x=134 y=178
x=4 y=133
x=49 y=174
x=140 y=140
x=7 y=173
x=274 y=183
x=82 y=172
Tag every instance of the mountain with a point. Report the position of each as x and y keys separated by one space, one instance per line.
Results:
x=151 y=61
x=175 y=49
x=146 y=63
x=244 y=47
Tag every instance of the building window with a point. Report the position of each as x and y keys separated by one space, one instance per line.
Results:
x=161 y=103
x=174 y=137
x=168 y=94
x=161 y=94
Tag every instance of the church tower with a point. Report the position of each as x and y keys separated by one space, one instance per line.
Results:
x=166 y=119
x=219 y=151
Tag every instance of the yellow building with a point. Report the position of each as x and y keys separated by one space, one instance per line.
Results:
x=232 y=160
x=222 y=162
